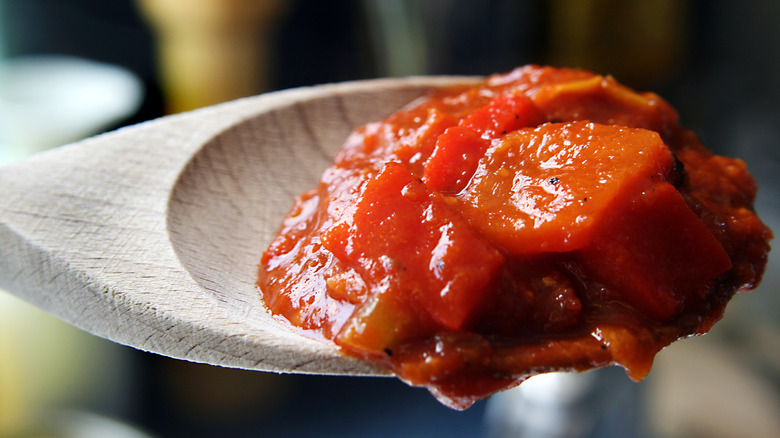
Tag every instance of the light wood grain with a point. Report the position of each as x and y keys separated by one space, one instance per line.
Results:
x=150 y=235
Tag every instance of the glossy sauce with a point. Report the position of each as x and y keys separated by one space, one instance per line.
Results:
x=543 y=220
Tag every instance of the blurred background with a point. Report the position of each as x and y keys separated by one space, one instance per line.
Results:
x=73 y=68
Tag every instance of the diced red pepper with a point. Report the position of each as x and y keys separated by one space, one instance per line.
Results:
x=454 y=160
x=506 y=113
x=459 y=148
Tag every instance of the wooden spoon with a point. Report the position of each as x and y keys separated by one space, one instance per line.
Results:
x=150 y=235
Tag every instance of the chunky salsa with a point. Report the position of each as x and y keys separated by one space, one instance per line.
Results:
x=542 y=220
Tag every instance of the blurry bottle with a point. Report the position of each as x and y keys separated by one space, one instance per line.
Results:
x=642 y=43
x=211 y=51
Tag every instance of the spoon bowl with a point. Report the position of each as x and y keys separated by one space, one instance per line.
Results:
x=150 y=235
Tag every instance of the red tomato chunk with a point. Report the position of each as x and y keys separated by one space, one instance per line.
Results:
x=543 y=220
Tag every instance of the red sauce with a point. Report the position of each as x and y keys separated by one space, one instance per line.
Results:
x=543 y=220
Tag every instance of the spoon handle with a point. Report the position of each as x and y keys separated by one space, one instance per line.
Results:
x=82 y=227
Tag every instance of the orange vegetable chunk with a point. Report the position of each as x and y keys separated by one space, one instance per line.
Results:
x=454 y=160
x=657 y=251
x=544 y=189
